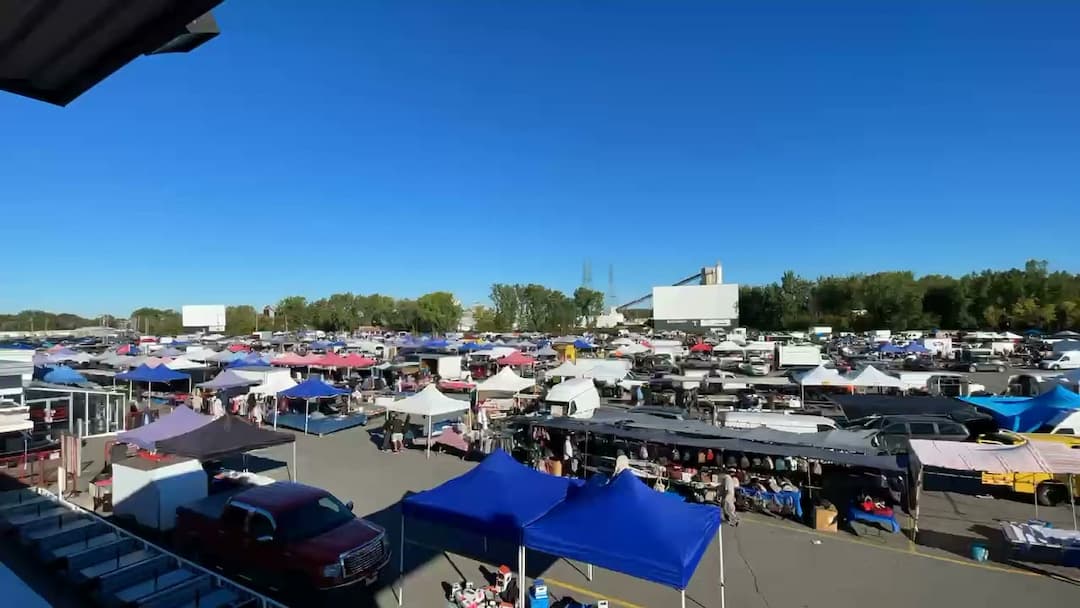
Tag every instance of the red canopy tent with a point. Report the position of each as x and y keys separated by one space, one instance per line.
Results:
x=358 y=360
x=701 y=348
x=290 y=359
x=235 y=348
x=332 y=359
x=515 y=359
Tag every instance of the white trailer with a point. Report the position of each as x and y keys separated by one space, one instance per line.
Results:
x=800 y=355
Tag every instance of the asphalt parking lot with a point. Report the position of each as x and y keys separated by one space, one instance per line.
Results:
x=769 y=562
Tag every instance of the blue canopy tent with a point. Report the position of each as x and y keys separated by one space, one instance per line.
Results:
x=628 y=527
x=891 y=348
x=436 y=344
x=312 y=388
x=62 y=374
x=583 y=344
x=514 y=496
x=915 y=347
x=249 y=361
x=1028 y=414
x=150 y=375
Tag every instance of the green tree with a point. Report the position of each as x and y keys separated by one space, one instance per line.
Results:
x=292 y=312
x=240 y=320
x=157 y=322
x=589 y=304
x=439 y=311
x=994 y=316
x=484 y=319
x=507 y=300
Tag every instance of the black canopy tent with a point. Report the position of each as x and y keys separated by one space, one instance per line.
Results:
x=223 y=437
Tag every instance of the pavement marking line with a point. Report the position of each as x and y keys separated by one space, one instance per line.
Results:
x=912 y=550
x=614 y=601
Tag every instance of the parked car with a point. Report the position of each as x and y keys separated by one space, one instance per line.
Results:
x=981 y=364
x=894 y=431
x=284 y=535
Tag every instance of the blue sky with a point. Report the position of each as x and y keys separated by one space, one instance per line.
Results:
x=408 y=146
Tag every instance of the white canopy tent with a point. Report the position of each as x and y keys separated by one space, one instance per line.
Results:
x=495 y=352
x=632 y=349
x=428 y=403
x=181 y=363
x=819 y=376
x=871 y=376
x=274 y=384
x=506 y=381
x=566 y=370
x=1033 y=456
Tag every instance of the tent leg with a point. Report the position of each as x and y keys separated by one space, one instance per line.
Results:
x=682 y=597
x=296 y=471
x=1035 y=495
x=723 y=585
x=307 y=413
x=401 y=564
x=588 y=571
x=521 y=577
x=1072 y=499
x=428 y=442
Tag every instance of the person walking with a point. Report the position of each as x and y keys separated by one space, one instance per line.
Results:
x=728 y=484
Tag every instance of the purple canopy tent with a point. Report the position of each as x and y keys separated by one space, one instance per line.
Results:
x=181 y=420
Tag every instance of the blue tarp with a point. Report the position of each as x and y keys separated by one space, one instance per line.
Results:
x=312 y=388
x=144 y=373
x=436 y=344
x=889 y=347
x=915 y=347
x=496 y=498
x=1028 y=414
x=582 y=344
x=63 y=374
x=249 y=361
x=628 y=527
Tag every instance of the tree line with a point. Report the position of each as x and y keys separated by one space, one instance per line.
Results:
x=1016 y=299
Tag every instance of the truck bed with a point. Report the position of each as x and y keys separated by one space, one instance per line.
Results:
x=212 y=506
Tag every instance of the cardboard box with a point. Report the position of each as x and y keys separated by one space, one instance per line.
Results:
x=825 y=519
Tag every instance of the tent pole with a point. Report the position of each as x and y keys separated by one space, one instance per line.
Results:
x=307 y=413
x=521 y=576
x=401 y=564
x=588 y=571
x=720 y=543
x=1035 y=495
x=1072 y=499
x=682 y=596
x=296 y=471
x=428 y=442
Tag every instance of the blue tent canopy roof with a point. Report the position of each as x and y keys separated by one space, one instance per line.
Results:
x=62 y=374
x=312 y=388
x=514 y=495
x=582 y=344
x=145 y=373
x=1028 y=415
x=628 y=527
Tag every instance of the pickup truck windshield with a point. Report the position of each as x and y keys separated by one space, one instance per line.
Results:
x=312 y=519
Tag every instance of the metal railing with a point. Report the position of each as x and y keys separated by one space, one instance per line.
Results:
x=262 y=601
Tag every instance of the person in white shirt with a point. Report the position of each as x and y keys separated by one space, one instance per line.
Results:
x=217 y=410
x=728 y=484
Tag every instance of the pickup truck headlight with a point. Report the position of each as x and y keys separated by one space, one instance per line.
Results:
x=332 y=571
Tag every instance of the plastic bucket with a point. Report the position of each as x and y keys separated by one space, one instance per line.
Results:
x=979 y=552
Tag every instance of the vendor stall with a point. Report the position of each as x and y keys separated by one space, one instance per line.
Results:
x=223 y=437
x=310 y=390
x=428 y=403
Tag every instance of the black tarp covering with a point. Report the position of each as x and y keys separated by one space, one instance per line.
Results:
x=881 y=462
x=222 y=437
x=861 y=406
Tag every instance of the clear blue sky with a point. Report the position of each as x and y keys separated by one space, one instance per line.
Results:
x=407 y=146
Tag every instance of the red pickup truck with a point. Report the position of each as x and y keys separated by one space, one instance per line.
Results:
x=287 y=536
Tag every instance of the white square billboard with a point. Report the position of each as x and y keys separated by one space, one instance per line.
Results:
x=210 y=316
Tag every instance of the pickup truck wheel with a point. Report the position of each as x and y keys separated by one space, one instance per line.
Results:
x=1051 y=494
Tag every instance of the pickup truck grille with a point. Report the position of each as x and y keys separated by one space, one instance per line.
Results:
x=366 y=558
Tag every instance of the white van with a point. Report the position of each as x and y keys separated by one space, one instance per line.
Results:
x=576 y=398
x=1069 y=424
x=1069 y=359
x=778 y=421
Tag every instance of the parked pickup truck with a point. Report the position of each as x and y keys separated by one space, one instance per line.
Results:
x=284 y=535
